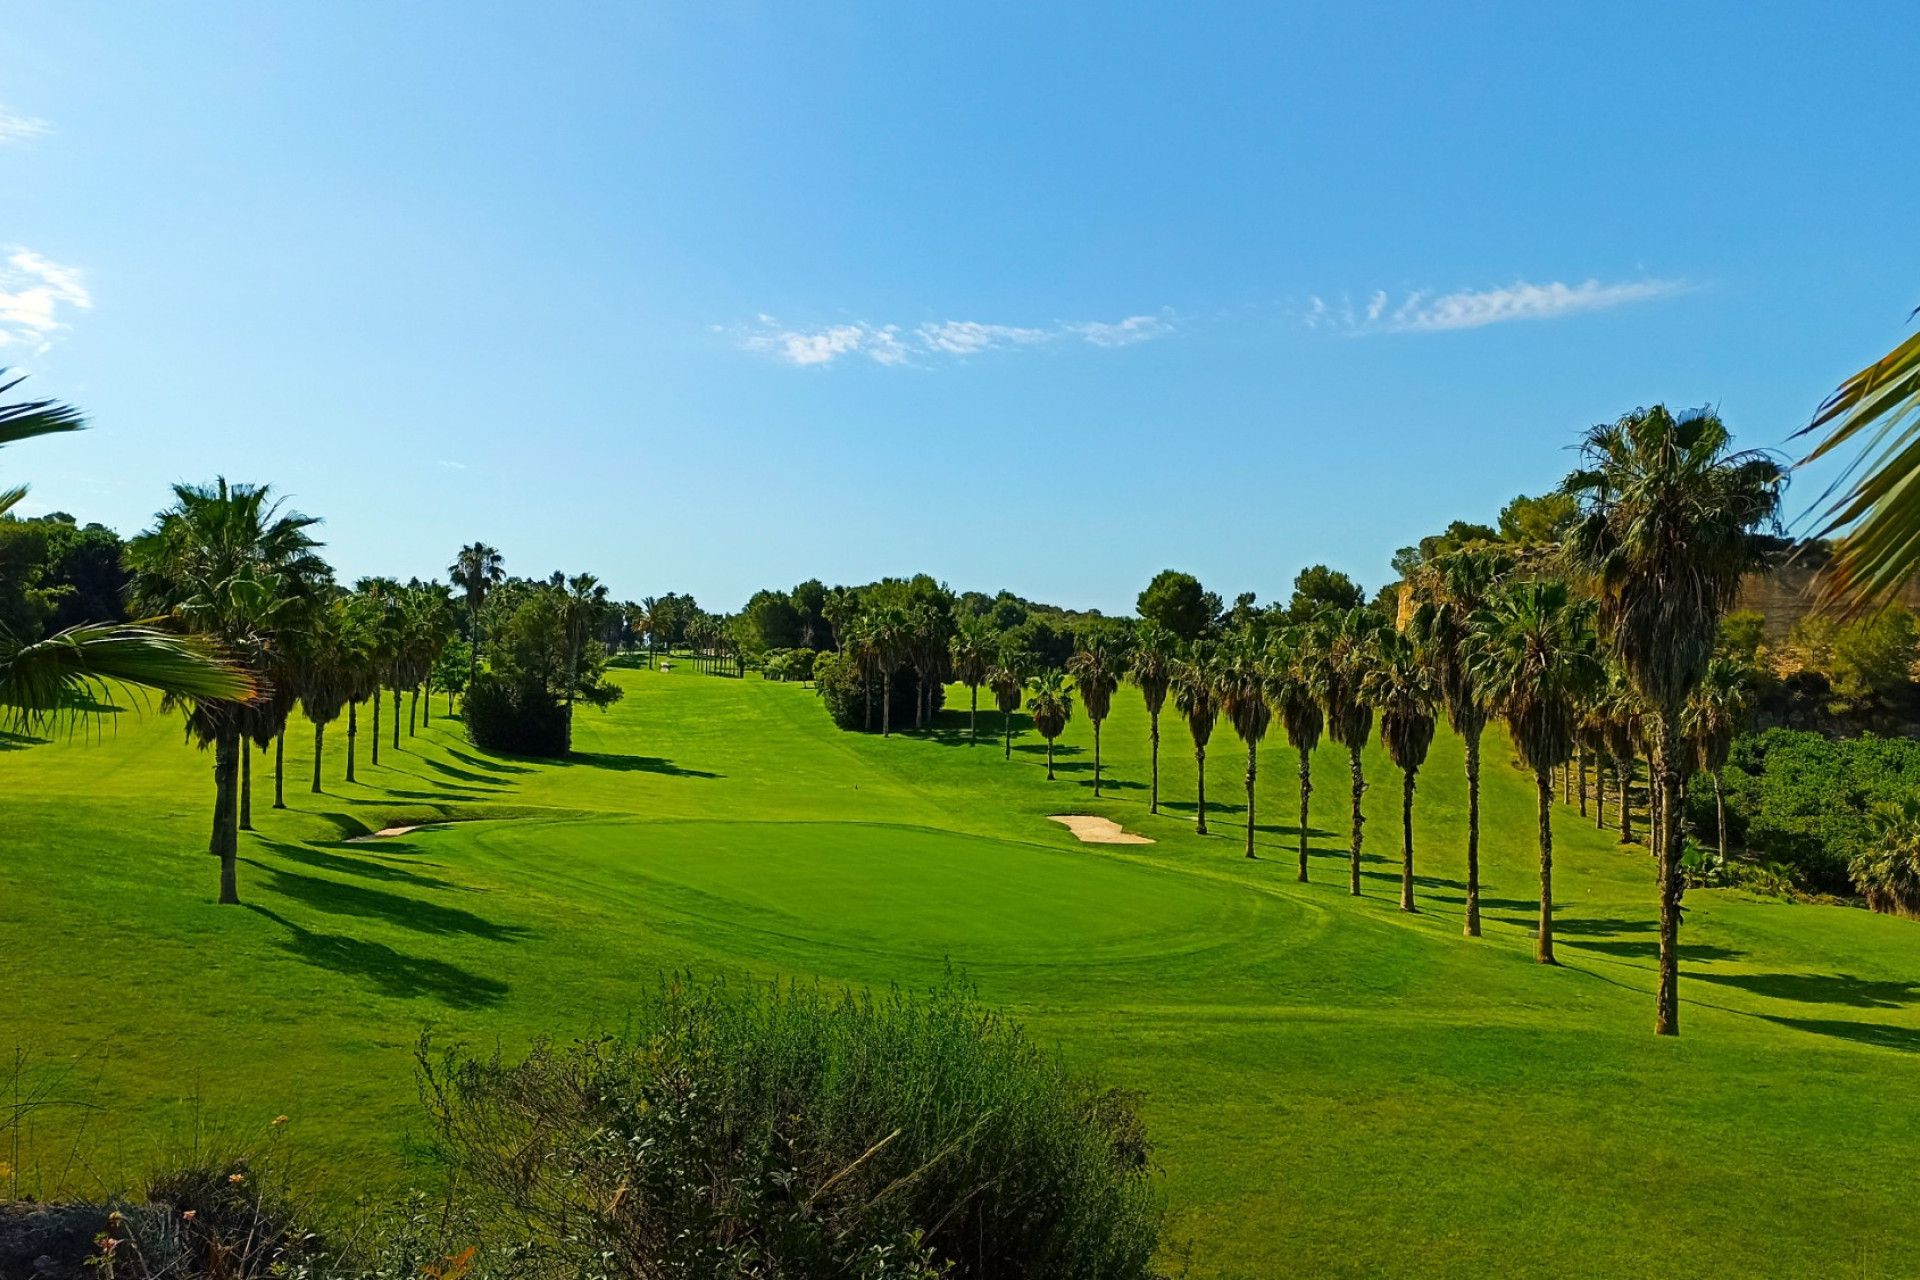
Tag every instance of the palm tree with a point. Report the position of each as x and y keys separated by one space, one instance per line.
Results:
x=1668 y=528
x=330 y=654
x=927 y=649
x=1244 y=678
x=1155 y=652
x=1714 y=714
x=972 y=652
x=583 y=608
x=1400 y=681
x=1196 y=696
x=1877 y=515
x=860 y=640
x=1457 y=589
x=223 y=562
x=1097 y=666
x=1535 y=659
x=892 y=640
x=1297 y=689
x=1008 y=680
x=1051 y=706
x=475 y=572
x=1887 y=871
x=43 y=681
x=1346 y=640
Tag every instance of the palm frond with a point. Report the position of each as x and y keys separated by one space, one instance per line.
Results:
x=1875 y=503
x=32 y=418
x=47 y=679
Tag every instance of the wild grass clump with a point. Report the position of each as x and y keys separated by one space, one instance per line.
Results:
x=742 y=1130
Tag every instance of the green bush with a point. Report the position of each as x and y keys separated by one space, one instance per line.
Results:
x=837 y=681
x=796 y=1132
x=515 y=717
x=1808 y=801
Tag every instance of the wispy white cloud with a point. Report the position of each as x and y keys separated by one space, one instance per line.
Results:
x=453 y=466
x=1423 y=312
x=1122 y=333
x=34 y=295
x=18 y=128
x=891 y=345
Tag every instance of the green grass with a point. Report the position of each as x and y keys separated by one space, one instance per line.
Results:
x=1335 y=1088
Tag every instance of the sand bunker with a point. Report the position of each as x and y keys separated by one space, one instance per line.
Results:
x=1091 y=830
x=387 y=833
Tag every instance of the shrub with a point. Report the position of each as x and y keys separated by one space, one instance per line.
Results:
x=515 y=717
x=838 y=682
x=1887 y=869
x=1809 y=801
x=796 y=1132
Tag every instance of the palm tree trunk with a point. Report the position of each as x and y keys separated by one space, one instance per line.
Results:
x=1623 y=771
x=246 y=784
x=1049 y=759
x=973 y=715
x=1306 y=790
x=426 y=703
x=1566 y=784
x=1359 y=777
x=1472 y=927
x=226 y=835
x=396 y=717
x=1096 y=759
x=413 y=710
x=1720 y=809
x=1253 y=751
x=1406 y=840
x=319 y=744
x=280 y=769
x=1544 y=781
x=1600 y=790
x=353 y=732
x=1200 y=810
x=1667 y=1002
x=1153 y=735
x=886 y=705
x=1580 y=755
x=376 y=734
x=1006 y=721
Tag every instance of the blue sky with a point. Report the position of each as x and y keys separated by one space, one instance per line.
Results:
x=708 y=297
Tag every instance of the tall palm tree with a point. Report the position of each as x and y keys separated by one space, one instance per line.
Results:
x=43 y=681
x=972 y=651
x=1008 y=680
x=1298 y=686
x=1097 y=665
x=1196 y=696
x=1155 y=653
x=1668 y=527
x=1347 y=641
x=583 y=609
x=1244 y=678
x=1051 y=707
x=1458 y=587
x=1714 y=714
x=224 y=561
x=1536 y=659
x=927 y=649
x=1876 y=512
x=860 y=640
x=1400 y=682
x=475 y=572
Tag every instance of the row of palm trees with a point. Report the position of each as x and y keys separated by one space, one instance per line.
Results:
x=1605 y=648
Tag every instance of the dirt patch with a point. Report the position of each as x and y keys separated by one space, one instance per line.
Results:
x=1091 y=830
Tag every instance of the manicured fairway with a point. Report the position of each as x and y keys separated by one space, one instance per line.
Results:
x=1335 y=1088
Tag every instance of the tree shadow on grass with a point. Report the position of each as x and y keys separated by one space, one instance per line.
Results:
x=341 y=899
x=481 y=762
x=391 y=972
x=321 y=860
x=20 y=741
x=1820 y=988
x=1904 y=1039
x=1647 y=950
x=465 y=775
x=1040 y=749
x=631 y=764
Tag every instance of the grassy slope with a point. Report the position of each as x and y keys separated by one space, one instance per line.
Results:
x=1334 y=1085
